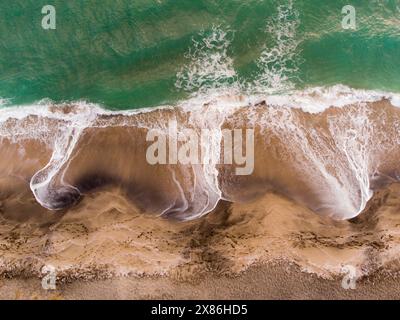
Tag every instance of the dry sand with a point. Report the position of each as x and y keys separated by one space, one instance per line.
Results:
x=279 y=281
x=235 y=253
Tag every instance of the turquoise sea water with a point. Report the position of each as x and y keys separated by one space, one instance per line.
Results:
x=128 y=54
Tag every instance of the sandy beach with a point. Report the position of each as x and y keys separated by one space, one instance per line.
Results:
x=279 y=281
x=124 y=229
x=253 y=268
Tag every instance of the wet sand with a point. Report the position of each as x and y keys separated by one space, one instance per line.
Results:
x=125 y=229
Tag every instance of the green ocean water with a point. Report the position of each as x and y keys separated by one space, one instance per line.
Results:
x=128 y=54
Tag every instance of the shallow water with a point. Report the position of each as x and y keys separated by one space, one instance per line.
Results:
x=125 y=54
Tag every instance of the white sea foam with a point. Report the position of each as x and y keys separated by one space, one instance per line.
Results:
x=318 y=99
x=209 y=65
x=225 y=101
x=279 y=59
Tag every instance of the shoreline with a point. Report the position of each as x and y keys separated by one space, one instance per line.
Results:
x=108 y=222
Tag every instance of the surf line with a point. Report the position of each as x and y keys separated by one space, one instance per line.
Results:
x=187 y=146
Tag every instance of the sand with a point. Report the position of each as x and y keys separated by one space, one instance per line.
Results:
x=273 y=235
x=279 y=281
x=271 y=248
